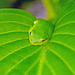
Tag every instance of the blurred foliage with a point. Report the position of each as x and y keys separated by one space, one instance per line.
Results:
x=6 y=3
x=13 y=3
x=37 y=9
x=20 y=3
x=53 y=7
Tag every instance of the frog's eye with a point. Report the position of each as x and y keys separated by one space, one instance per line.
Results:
x=30 y=33
x=42 y=40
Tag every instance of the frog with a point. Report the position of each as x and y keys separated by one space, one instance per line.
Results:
x=40 y=32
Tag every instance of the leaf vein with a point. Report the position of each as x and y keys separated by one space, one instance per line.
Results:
x=19 y=15
x=26 y=73
x=48 y=65
x=64 y=25
x=64 y=45
x=12 y=52
x=64 y=16
x=12 y=32
x=13 y=41
x=62 y=60
x=15 y=22
x=22 y=60
x=64 y=34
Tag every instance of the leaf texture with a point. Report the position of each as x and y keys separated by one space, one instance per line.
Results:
x=19 y=57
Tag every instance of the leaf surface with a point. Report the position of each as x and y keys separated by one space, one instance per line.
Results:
x=19 y=57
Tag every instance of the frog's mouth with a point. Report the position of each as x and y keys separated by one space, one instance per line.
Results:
x=38 y=42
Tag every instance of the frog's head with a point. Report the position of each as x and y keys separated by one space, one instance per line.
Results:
x=36 y=37
x=39 y=32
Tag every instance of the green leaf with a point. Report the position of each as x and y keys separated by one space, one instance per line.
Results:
x=19 y=57
x=62 y=43
x=53 y=7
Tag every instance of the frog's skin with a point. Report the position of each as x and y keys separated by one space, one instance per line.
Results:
x=40 y=32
